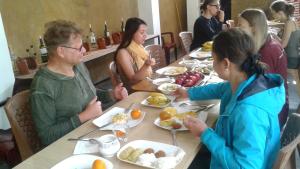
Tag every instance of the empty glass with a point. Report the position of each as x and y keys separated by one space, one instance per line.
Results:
x=120 y=130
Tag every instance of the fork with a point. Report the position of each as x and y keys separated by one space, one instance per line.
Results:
x=98 y=128
x=173 y=132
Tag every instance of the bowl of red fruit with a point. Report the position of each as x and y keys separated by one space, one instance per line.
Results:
x=189 y=79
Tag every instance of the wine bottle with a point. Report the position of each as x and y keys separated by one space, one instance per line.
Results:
x=122 y=26
x=93 y=44
x=43 y=51
x=106 y=35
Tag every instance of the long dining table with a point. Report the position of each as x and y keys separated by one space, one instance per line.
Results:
x=146 y=130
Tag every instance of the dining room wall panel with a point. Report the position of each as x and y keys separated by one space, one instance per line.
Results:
x=24 y=20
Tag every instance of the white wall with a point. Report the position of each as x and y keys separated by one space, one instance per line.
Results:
x=6 y=75
x=193 y=12
x=149 y=12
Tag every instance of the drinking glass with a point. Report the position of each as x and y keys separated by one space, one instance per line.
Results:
x=120 y=130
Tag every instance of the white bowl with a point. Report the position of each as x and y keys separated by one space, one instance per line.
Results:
x=160 y=81
x=168 y=88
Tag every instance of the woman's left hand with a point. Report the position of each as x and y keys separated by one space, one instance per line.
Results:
x=120 y=92
x=195 y=125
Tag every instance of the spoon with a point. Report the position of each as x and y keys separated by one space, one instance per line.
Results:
x=91 y=140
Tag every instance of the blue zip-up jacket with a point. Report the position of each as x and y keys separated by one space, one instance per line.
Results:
x=247 y=133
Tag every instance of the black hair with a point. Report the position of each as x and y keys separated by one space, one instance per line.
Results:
x=131 y=27
x=239 y=48
x=286 y=8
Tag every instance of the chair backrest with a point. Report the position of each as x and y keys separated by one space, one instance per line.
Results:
x=19 y=115
x=291 y=129
x=115 y=80
x=186 y=40
x=169 y=36
x=288 y=156
x=158 y=54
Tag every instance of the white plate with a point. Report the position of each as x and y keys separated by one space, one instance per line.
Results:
x=145 y=103
x=157 y=121
x=106 y=117
x=83 y=161
x=160 y=81
x=168 y=88
x=199 y=54
x=170 y=150
x=171 y=70
x=189 y=63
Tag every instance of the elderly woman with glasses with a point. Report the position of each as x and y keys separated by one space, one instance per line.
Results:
x=208 y=24
x=62 y=93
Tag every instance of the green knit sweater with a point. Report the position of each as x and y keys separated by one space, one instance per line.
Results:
x=56 y=100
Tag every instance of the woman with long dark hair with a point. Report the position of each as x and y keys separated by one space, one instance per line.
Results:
x=132 y=60
x=247 y=133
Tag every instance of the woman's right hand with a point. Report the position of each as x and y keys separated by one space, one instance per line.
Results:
x=150 y=62
x=92 y=110
x=181 y=93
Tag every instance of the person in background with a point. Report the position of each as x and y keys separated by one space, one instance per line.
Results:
x=289 y=38
x=247 y=131
x=62 y=93
x=132 y=60
x=254 y=22
x=208 y=24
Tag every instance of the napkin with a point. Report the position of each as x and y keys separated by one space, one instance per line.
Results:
x=85 y=147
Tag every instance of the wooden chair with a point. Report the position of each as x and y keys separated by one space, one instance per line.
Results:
x=287 y=157
x=290 y=144
x=115 y=80
x=20 y=118
x=186 y=41
x=168 y=45
x=158 y=54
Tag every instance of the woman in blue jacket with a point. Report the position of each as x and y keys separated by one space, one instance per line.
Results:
x=247 y=133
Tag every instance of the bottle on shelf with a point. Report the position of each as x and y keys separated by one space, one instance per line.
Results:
x=92 y=42
x=13 y=59
x=107 y=35
x=122 y=26
x=43 y=51
x=31 y=59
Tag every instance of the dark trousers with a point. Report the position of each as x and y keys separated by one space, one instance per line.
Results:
x=202 y=159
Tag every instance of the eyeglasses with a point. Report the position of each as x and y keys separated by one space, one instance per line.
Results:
x=69 y=47
x=215 y=5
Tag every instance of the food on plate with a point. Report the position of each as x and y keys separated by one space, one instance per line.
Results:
x=171 y=110
x=157 y=99
x=207 y=46
x=149 y=150
x=168 y=88
x=119 y=118
x=164 y=115
x=165 y=163
x=135 y=154
x=189 y=79
x=125 y=153
x=147 y=159
x=98 y=164
x=136 y=114
x=181 y=116
x=176 y=125
x=166 y=123
x=159 y=154
x=170 y=71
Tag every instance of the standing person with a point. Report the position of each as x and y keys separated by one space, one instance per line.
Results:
x=208 y=24
x=254 y=22
x=247 y=132
x=132 y=60
x=62 y=93
x=283 y=11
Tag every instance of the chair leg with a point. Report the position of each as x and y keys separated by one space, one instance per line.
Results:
x=175 y=51
x=167 y=52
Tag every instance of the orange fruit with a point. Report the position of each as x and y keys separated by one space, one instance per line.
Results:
x=164 y=115
x=136 y=114
x=98 y=164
